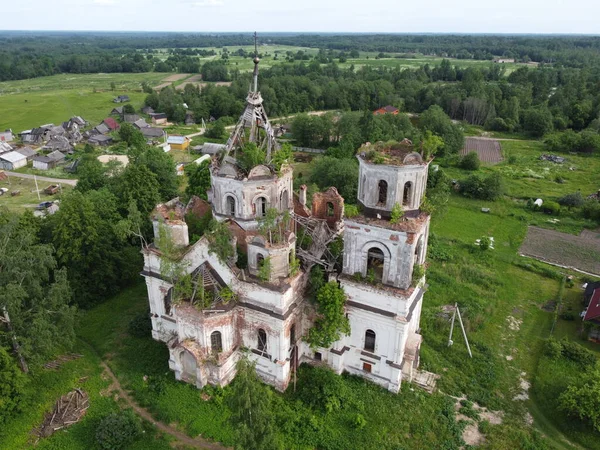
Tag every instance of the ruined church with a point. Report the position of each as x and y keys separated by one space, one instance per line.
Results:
x=261 y=309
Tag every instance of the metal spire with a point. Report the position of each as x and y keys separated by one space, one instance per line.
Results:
x=256 y=61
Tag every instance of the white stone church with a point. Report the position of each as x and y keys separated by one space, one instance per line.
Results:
x=268 y=318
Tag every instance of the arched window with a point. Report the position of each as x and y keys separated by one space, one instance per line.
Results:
x=260 y=259
x=375 y=263
x=261 y=207
x=330 y=209
x=230 y=205
x=370 y=341
x=216 y=344
x=363 y=185
x=262 y=340
x=407 y=193
x=418 y=250
x=382 y=197
x=284 y=200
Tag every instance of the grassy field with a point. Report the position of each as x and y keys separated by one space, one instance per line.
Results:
x=28 y=198
x=57 y=98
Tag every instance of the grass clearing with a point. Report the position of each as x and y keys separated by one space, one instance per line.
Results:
x=28 y=198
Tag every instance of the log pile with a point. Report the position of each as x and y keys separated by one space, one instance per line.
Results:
x=69 y=409
x=61 y=360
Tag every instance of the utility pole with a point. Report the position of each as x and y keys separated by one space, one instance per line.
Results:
x=462 y=327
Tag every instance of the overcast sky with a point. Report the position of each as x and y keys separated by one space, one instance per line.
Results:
x=398 y=16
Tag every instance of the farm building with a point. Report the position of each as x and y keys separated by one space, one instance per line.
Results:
x=49 y=161
x=102 y=129
x=389 y=109
x=6 y=136
x=147 y=110
x=210 y=148
x=12 y=160
x=158 y=118
x=178 y=142
x=111 y=123
x=152 y=132
x=34 y=136
x=118 y=111
x=100 y=139
x=131 y=118
x=121 y=99
x=28 y=152
x=140 y=123
x=60 y=143
x=4 y=147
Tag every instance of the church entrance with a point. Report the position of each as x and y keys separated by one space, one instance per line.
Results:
x=189 y=366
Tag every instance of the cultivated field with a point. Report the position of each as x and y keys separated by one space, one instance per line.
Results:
x=580 y=252
x=488 y=150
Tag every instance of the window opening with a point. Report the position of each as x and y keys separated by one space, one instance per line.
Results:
x=216 y=344
x=383 y=188
x=370 y=341
x=367 y=367
x=262 y=340
x=231 y=206
x=375 y=263
x=407 y=193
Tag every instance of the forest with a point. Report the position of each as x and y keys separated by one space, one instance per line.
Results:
x=29 y=54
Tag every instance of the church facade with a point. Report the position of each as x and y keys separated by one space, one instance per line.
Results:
x=232 y=311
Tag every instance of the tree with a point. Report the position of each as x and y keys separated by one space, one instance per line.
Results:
x=470 y=161
x=198 y=179
x=118 y=430
x=537 y=121
x=216 y=130
x=251 y=408
x=162 y=165
x=128 y=109
x=573 y=200
x=484 y=188
x=582 y=399
x=12 y=382
x=138 y=183
x=92 y=174
x=251 y=157
x=36 y=315
x=436 y=121
x=331 y=322
x=341 y=173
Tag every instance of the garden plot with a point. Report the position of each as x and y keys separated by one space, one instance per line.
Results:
x=488 y=150
x=578 y=252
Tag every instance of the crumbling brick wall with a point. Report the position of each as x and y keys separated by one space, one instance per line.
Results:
x=328 y=205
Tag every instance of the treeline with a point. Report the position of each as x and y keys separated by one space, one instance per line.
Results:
x=29 y=55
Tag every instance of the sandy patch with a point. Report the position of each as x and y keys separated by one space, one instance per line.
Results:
x=176 y=77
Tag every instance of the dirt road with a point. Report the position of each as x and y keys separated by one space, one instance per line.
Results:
x=48 y=179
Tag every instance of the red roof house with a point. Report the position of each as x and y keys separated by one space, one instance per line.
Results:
x=389 y=109
x=593 y=310
x=111 y=123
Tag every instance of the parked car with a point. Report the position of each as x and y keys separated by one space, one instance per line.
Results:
x=44 y=205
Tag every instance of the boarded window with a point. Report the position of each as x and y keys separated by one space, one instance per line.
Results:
x=370 y=341
x=216 y=344
x=383 y=188
x=367 y=367
x=262 y=340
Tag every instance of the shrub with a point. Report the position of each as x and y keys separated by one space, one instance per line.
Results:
x=322 y=389
x=140 y=325
x=581 y=399
x=553 y=348
x=470 y=161
x=498 y=124
x=485 y=243
x=551 y=208
x=591 y=210
x=359 y=421
x=351 y=211
x=118 y=430
x=483 y=188
x=578 y=353
x=397 y=214
x=572 y=200
x=12 y=382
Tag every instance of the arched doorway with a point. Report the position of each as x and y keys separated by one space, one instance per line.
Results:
x=375 y=264
x=189 y=366
x=406 y=197
x=382 y=192
x=261 y=207
x=230 y=206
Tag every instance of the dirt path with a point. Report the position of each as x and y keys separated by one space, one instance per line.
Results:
x=197 y=442
x=68 y=181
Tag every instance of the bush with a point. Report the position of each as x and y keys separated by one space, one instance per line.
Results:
x=118 y=430
x=572 y=200
x=578 y=353
x=140 y=325
x=553 y=348
x=498 y=124
x=485 y=243
x=12 y=382
x=591 y=210
x=322 y=389
x=552 y=208
x=470 y=161
x=483 y=188
x=216 y=131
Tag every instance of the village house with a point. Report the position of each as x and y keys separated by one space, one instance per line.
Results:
x=12 y=160
x=59 y=143
x=262 y=310
x=158 y=118
x=111 y=123
x=6 y=136
x=28 y=152
x=117 y=111
x=178 y=142
x=387 y=110
x=152 y=132
x=140 y=123
x=4 y=147
x=100 y=139
x=49 y=161
x=147 y=110
x=101 y=129
x=130 y=118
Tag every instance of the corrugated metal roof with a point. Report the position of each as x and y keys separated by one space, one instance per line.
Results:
x=12 y=157
x=175 y=139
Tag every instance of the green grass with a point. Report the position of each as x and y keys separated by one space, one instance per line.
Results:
x=57 y=98
x=28 y=198
x=46 y=386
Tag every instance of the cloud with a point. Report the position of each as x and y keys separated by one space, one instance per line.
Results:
x=203 y=3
